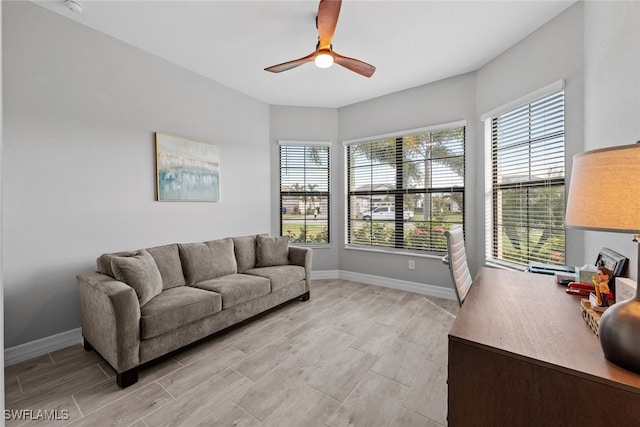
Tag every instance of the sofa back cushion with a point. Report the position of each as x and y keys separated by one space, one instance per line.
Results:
x=167 y=258
x=139 y=271
x=271 y=251
x=245 y=250
x=204 y=261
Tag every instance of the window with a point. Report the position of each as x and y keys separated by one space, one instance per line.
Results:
x=304 y=192
x=405 y=191
x=526 y=218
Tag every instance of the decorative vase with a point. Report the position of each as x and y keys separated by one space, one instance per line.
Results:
x=620 y=333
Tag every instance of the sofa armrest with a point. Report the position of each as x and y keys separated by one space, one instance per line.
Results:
x=302 y=257
x=110 y=315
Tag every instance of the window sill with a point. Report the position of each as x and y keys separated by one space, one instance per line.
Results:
x=312 y=245
x=505 y=266
x=389 y=251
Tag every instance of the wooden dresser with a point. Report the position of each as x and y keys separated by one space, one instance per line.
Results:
x=520 y=354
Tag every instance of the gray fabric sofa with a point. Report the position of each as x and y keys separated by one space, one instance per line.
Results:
x=144 y=304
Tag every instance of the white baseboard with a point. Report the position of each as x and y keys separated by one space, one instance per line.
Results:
x=55 y=342
x=419 y=288
x=325 y=274
x=42 y=346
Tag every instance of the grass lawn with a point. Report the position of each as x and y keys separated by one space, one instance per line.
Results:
x=294 y=227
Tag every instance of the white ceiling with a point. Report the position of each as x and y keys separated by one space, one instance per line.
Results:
x=410 y=42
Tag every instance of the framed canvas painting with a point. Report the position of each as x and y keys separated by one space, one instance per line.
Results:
x=186 y=170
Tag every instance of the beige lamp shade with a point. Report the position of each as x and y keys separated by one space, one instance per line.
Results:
x=604 y=192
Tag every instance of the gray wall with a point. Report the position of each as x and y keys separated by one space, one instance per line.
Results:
x=80 y=111
x=552 y=53
x=308 y=124
x=612 y=97
x=445 y=101
x=77 y=166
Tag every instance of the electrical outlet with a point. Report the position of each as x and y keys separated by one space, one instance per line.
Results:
x=412 y=264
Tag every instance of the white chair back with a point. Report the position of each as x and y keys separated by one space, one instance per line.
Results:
x=457 y=260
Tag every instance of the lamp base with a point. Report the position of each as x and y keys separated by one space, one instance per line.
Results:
x=619 y=334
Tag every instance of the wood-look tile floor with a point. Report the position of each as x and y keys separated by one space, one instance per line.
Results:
x=353 y=355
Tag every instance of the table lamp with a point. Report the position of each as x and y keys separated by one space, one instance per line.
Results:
x=604 y=195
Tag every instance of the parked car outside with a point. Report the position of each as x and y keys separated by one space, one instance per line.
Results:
x=385 y=213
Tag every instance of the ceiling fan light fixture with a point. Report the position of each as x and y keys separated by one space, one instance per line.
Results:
x=324 y=60
x=324 y=56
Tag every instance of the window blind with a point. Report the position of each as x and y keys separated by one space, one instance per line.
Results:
x=404 y=191
x=527 y=181
x=305 y=193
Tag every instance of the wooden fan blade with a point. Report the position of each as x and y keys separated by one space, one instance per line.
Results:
x=328 y=12
x=291 y=64
x=355 y=65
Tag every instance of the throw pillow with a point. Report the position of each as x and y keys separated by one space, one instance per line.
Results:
x=104 y=262
x=245 y=251
x=139 y=271
x=272 y=250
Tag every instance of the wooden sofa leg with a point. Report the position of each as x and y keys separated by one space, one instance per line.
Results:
x=305 y=296
x=87 y=346
x=127 y=378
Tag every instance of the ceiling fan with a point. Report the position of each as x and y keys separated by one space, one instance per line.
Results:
x=324 y=56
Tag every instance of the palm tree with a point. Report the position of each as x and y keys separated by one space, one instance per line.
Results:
x=298 y=188
x=312 y=198
x=426 y=146
x=533 y=211
x=419 y=152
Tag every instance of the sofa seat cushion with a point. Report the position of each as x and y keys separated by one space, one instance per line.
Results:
x=280 y=276
x=236 y=288
x=176 y=307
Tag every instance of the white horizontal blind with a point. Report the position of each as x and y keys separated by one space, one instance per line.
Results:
x=405 y=191
x=305 y=193
x=528 y=178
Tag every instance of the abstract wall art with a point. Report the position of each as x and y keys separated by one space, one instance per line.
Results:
x=186 y=170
